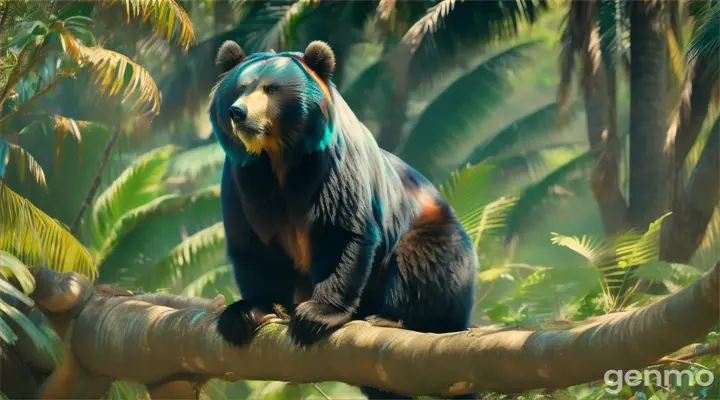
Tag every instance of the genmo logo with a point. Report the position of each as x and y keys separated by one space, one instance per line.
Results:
x=615 y=379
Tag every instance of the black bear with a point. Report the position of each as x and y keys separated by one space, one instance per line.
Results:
x=319 y=219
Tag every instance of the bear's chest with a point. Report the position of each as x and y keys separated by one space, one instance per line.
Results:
x=279 y=212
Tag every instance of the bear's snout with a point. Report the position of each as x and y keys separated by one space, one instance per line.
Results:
x=238 y=112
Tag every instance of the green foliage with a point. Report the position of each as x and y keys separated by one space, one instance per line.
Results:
x=137 y=185
x=37 y=239
x=465 y=191
x=11 y=299
x=488 y=83
x=615 y=259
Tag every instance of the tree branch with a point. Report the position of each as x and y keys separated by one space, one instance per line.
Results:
x=124 y=338
x=686 y=227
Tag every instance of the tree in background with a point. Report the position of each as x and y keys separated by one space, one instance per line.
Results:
x=672 y=86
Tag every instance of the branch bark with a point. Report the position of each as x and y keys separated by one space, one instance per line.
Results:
x=131 y=338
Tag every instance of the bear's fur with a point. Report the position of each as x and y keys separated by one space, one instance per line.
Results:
x=318 y=218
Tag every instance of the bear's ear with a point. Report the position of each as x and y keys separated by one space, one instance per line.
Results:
x=229 y=55
x=320 y=58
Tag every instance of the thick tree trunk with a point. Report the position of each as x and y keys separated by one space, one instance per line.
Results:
x=600 y=112
x=132 y=338
x=651 y=178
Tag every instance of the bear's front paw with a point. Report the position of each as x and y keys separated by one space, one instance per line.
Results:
x=314 y=321
x=236 y=324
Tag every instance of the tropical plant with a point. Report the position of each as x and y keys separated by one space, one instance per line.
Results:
x=42 y=47
x=14 y=306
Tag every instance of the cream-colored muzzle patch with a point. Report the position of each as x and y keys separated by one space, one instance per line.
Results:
x=260 y=109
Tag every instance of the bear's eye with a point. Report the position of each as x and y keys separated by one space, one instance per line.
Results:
x=270 y=89
x=242 y=89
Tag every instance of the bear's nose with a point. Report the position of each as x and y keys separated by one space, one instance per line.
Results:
x=238 y=113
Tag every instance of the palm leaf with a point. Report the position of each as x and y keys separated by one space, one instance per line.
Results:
x=164 y=15
x=193 y=164
x=42 y=336
x=532 y=196
x=147 y=233
x=67 y=126
x=465 y=192
x=37 y=239
x=196 y=287
x=24 y=160
x=11 y=266
x=525 y=134
x=135 y=186
x=452 y=29
x=110 y=70
x=705 y=41
x=280 y=37
x=196 y=254
x=455 y=113
x=613 y=259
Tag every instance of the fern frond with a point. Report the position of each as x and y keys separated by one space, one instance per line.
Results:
x=24 y=160
x=591 y=249
x=135 y=186
x=37 y=239
x=110 y=70
x=164 y=15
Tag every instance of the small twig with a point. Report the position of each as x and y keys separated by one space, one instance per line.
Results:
x=683 y=358
x=96 y=182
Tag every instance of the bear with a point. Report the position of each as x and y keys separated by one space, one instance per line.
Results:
x=319 y=220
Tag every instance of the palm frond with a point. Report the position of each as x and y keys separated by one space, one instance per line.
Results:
x=165 y=16
x=135 y=186
x=67 y=126
x=532 y=196
x=614 y=258
x=280 y=37
x=705 y=41
x=24 y=160
x=110 y=70
x=193 y=164
x=37 y=239
x=139 y=216
x=207 y=278
x=452 y=28
x=465 y=192
x=11 y=266
x=199 y=252
x=525 y=134
x=462 y=105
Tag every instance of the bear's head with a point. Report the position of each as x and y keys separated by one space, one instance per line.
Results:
x=273 y=102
